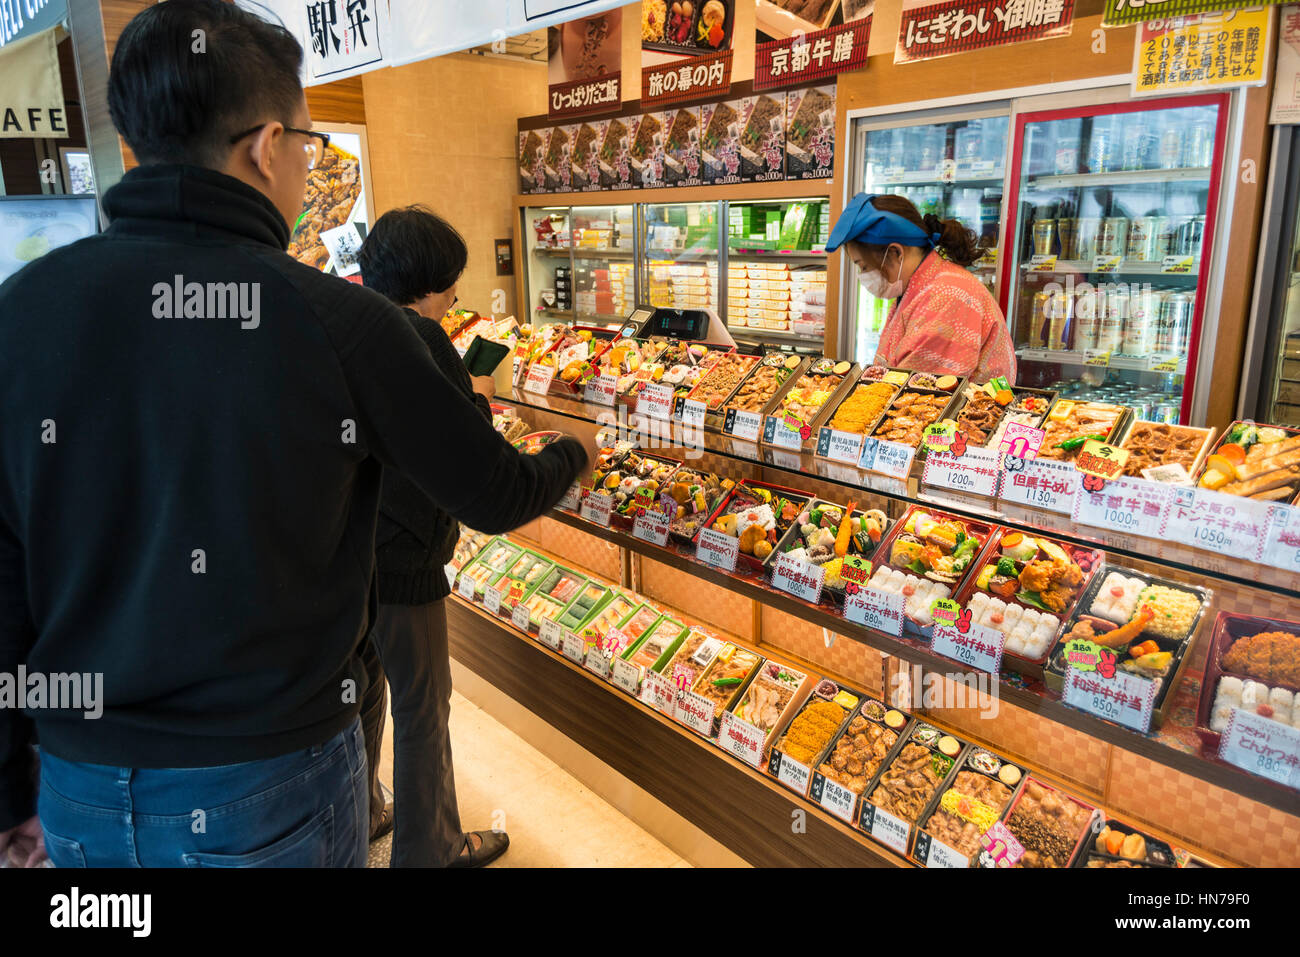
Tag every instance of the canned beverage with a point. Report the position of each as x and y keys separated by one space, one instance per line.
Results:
x=1101 y=148
x=1088 y=310
x=1060 y=309
x=1140 y=326
x=1068 y=231
x=1141 y=408
x=1188 y=238
x=1174 y=323
x=1171 y=147
x=1086 y=231
x=1144 y=239
x=1038 y=320
x=1198 y=146
x=1166 y=412
x=1136 y=150
x=1110 y=333
x=1044 y=235
x=1113 y=238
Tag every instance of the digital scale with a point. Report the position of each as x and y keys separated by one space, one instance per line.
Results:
x=694 y=325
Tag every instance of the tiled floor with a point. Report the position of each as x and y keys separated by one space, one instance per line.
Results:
x=552 y=818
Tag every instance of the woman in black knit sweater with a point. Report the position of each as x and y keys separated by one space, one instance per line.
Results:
x=415 y=259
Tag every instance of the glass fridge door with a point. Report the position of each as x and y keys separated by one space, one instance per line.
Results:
x=604 y=282
x=776 y=272
x=953 y=168
x=1114 y=210
x=679 y=243
x=549 y=278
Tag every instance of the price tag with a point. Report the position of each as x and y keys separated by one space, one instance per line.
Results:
x=550 y=634
x=743 y=425
x=980 y=647
x=1096 y=357
x=1282 y=543
x=839 y=446
x=659 y=692
x=695 y=711
x=601 y=389
x=801 y=579
x=1162 y=363
x=1106 y=263
x=890 y=831
x=597 y=508
x=742 y=739
x=791 y=773
x=571 y=498
x=626 y=675
x=573 y=648
x=651 y=527
x=1001 y=846
x=1022 y=441
x=1042 y=264
x=976 y=472
x=717 y=550
x=1130 y=505
x=492 y=600
x=932 y=853
x=940 y=437
x=1262 y=746
x=1177 y=264
x=693 y=412
x=1102 y=460
x=465 y=587
x=834 y=797
x=597 y=663
x=785 y=432
x=656 y=401
x=888 y=458
x=519 y=617
x=1227 y=524
x=881 y=610
x=1039 y=483
x=539 y=378
x=1125 y=698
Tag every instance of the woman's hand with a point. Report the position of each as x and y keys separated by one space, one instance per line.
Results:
x=24 y=845
x=484 y=385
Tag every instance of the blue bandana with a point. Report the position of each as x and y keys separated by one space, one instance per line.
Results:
x=863 y=223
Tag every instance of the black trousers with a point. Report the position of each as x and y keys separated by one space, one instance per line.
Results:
x=411 y=640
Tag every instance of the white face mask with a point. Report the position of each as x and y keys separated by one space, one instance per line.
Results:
x=877 y=285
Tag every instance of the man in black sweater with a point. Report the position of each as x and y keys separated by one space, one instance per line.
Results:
x=415 y=259
x=195 y=427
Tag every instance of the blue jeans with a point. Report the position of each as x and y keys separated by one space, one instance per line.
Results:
x=309 y=808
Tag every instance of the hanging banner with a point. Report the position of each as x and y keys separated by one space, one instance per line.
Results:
x=31 y=94
x=697 y=78
x=1286 y=78
x=811 y=57
x=20 y=19
x=1124 y=12
x=1204 y=52
x=932 y=29
x=339 y=38
x=584 y=66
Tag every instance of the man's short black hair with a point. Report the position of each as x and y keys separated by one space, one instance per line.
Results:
x=410 y=253
x=177 y=95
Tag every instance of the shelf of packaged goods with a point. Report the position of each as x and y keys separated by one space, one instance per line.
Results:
x=936 y=178
x=656 y=753
x=779 y=255
x=1069 y=357
x=586 y=252
x=1012 y=689
x=788 y=468
x=1136 y=177
x=1124 y=268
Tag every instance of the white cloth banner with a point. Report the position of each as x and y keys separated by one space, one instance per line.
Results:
x=339 y=38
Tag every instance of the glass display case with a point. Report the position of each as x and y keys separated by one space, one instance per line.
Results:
x=680 y=259
x=1107 y=260
x=580 y=263
x=952 y=167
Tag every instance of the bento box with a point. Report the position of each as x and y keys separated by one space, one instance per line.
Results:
x=573 y=356
x=679 y=365
x=657 y=644
x=1161 y=452
x=1255 y=461
x=520 y=580
x=765 y=705
x=908 y=785
x=1026 y=587
x=690 y=497
x=928 y=555
x=815 y=537
x=592 y=623
x=681 y=665
x=1051 y=825
x=493 y=559
x=925 y=400
x=1113 y=613
x=1070 y=423
x=719 y=383
x=1121 y=845
x=758 y=391
x=971 y=800
x=1252 y=664
x=806 y=740
x=806 y=403
x=759 y=515
x=635 y=481
x=627 y=359
x=984 y=412
x=721 y=683
x=856 y=757
x=859 y=410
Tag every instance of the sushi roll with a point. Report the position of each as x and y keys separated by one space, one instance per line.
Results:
x=1012 y=617
x=995 y=613
x=1015 y=644
x=1117 y=598
x=979 y=601
x=1230 y=690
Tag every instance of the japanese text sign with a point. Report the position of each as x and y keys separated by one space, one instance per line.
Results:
x=812 y=56
x=682 y=81
x=1202 y=52
x=930 y=29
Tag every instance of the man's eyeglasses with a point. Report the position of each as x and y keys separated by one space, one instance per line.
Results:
x=314 y=150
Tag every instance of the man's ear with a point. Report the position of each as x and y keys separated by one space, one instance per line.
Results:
x=262 y=146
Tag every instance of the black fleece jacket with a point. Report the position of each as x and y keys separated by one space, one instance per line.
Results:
x=416 y=538
x=188 y=505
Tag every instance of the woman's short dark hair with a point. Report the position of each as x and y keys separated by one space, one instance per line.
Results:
x=410 y=253
x=957 y=243
x=187 y=75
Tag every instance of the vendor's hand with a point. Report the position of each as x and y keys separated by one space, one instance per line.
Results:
x=24 y=845
x=484 y=385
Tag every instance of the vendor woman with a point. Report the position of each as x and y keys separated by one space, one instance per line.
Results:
x=943 y=319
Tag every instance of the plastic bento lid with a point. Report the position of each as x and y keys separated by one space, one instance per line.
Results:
x=862 y=222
